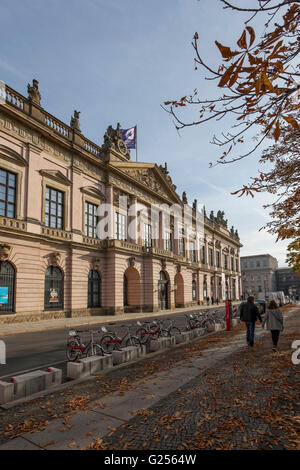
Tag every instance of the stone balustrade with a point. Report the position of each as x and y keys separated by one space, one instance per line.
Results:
x=13 y=224
x=56 y=233
x=56 y=125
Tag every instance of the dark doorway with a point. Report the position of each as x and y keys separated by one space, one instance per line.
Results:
x=163 y=291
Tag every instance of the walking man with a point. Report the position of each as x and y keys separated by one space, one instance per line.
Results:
x=249 y=314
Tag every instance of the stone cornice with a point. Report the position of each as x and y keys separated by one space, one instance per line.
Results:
x=94 y=192
x=10 y=155
x=57 y=176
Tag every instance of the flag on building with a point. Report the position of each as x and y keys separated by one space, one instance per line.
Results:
x=129 y=137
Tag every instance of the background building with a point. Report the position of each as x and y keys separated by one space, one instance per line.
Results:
x=288 y=282
x=52 y=182
x=258 y=274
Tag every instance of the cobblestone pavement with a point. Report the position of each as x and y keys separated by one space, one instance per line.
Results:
x=231 y=397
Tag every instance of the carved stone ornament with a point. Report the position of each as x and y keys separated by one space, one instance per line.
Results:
x=4 y=251
x=184 y=198
x=131 y=261
x=95 y=264
x=163 y=264
x=217 y=244
x=194 y=277
x=54 y=258
x=75 y=123
x=113 y=140
x=178 y=268
x=33 y=92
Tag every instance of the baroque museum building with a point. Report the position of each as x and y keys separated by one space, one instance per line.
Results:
x=56 y=187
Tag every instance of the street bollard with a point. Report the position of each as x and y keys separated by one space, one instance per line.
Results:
x=228 y=316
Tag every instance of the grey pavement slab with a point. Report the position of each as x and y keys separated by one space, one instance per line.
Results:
x=19 y=443
x=79 y=429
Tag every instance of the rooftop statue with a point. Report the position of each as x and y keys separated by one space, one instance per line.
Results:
x=75 y=123
x=33 y=92
x=184 y=198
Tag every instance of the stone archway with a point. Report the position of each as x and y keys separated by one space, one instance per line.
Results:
x=179 y=292
x=132 y=290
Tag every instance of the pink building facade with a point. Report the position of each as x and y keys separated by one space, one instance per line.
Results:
x=55 y=187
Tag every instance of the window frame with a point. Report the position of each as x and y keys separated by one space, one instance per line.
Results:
x=7 y=188
x=120 y=229
x=147 y=241
x=57 y=204
x=87 y=226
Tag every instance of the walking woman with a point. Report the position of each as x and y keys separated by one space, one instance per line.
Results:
x=274 y=322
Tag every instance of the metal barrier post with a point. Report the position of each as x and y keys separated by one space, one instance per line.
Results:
x=228 y=316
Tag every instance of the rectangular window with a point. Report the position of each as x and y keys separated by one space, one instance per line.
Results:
x=203 y=255
x=236 y=265
x=181 y=246
x=218 y=259
x=54 y=208
x=225 y=261
x=7 y=194
x=90 y=220
x=120 y=226
x=168 y=241
x=232 y=264
x=211 y=256
x=147 y=235
x=193 y=256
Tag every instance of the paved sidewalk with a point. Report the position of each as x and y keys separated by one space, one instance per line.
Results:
x=28 y=327
x=216 y=393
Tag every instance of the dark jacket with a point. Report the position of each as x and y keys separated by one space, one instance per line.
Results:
x=249 y=312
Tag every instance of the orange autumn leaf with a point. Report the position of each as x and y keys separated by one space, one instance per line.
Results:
x=276 y=133
x=252 y=34
x=291 y=121
x=226 y=52
x=242 y=41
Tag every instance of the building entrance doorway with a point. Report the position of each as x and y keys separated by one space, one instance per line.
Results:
x=163 y=291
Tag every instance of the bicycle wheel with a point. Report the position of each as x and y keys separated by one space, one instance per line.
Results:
x=133 y=341
x=164 y=333
x=210 y=325
x=174 y=331
x=94 y=350
x=106 y=343
x=142 y=335
x=71 y=353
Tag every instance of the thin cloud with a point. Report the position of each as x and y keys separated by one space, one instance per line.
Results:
x=4 y=64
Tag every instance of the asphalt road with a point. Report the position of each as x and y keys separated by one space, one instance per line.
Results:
x=29 y=351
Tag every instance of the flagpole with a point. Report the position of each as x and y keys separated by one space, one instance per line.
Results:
x=136 y=152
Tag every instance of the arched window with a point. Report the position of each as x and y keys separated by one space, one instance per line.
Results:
x=125 y=291
x=54 y=289
x=94 y=290
x=194 y=290
x=7 y=289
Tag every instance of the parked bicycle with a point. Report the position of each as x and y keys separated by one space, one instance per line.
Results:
x=76 y=349
x=205 y=321
x=150 y=330
x=111 y=340
x=190 y=322
x=171 y=329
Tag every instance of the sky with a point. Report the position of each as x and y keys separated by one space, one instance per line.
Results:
x=118 y=61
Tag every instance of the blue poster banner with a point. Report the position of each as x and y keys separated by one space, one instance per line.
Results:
x=3 y=295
